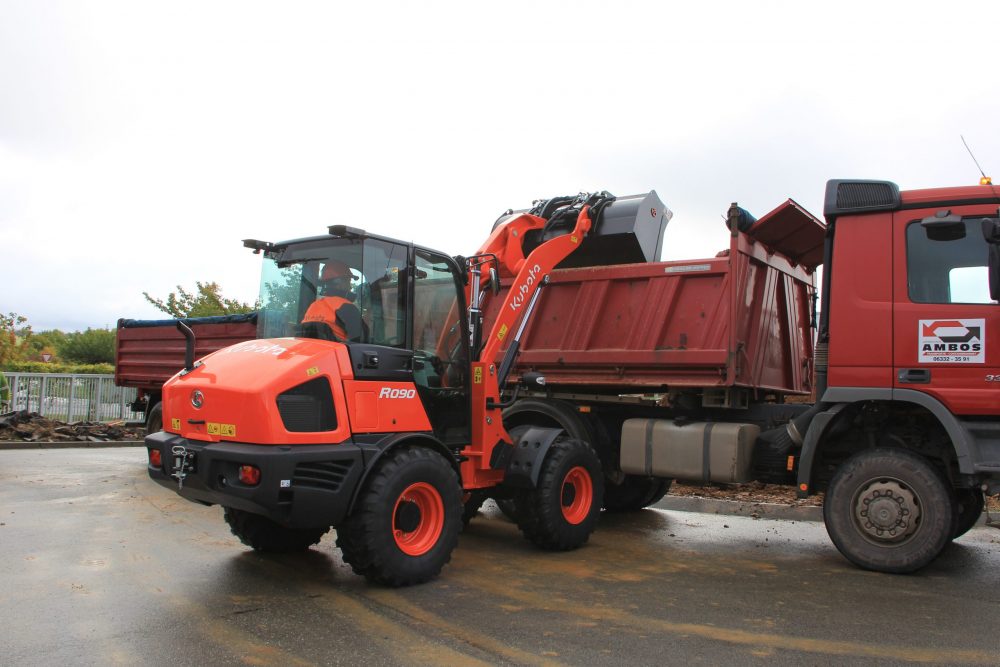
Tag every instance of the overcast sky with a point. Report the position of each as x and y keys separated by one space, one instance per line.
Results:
x=140 y=141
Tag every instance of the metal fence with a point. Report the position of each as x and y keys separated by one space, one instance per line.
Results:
x=71 y=398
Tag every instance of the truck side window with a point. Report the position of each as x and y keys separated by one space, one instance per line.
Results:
x=947 y=265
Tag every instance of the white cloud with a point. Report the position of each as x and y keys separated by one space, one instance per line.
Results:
x=140 y=142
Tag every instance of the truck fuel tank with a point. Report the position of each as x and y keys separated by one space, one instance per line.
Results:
x=693 y=451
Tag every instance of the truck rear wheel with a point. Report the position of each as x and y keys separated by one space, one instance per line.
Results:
x=406 y=521
x=561 y=512
x=970 y=506
x=889 y=510
x=635 y=493
x=264 y=535
x=154 y=422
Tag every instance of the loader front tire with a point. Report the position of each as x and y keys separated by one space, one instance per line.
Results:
x=406 y=521
x=561 y=512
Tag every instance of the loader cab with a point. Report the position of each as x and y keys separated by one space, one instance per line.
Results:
x=409 y=303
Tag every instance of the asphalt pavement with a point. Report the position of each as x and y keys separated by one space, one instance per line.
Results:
x=98 y=565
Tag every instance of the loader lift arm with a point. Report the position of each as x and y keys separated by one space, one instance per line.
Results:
x=484 y=460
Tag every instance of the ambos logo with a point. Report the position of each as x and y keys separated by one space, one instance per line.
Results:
x=952 y=341
x=387 y=392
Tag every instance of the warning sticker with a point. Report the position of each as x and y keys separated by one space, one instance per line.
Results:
x=952 y=342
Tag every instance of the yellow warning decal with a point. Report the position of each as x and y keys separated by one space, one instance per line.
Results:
x=502 y=332
x=477 y=375
x=175 y=424
x=574 y=238
x=225 y=430
x=312 y=371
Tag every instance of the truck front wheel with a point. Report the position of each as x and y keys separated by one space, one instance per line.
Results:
x=406 y=521
x=561 y=512
x=889 y=510
x=264 y=535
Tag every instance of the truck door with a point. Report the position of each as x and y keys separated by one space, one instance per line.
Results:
x=945 y=326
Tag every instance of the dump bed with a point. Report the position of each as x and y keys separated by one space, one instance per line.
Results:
x=149 y=352
x=741 y=319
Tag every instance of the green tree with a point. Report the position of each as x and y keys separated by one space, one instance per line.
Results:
x=93 y=346
x=43 y=342
x=14 y=332
x=207 y=300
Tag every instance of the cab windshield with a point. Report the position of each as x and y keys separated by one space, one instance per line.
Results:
x=336 y=289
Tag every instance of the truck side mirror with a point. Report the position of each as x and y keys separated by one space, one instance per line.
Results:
x=494 y=281
x=991 y=233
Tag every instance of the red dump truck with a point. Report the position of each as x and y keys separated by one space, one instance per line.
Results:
x=564 y=369
x=150 y=352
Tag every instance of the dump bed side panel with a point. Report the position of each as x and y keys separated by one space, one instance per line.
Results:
x=741 y=319
x=149 y=352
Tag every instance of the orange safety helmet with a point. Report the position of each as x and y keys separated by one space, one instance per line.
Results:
x=334 y=269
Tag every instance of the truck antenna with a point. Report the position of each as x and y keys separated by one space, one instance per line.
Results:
x=985 y=180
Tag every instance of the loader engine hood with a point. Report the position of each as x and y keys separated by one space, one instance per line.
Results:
x=268 y=391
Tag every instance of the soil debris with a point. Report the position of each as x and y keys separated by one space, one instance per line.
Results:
x=24 y=426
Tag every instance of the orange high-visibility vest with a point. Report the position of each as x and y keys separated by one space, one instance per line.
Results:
x=325 y=310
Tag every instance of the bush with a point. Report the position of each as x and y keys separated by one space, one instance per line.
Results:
x=42 y=367
x=93 y=346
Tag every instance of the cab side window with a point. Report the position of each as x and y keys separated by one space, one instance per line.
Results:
x=947 y=263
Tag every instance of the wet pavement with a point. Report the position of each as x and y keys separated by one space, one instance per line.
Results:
x=98 y=565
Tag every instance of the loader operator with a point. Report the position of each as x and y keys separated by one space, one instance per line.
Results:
x=334 y=307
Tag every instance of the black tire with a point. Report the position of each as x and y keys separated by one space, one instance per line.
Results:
x=261 y=534
x=154 y=420
x=562 y=511
x=471 y=506
x=634 y=493
x=889 y=510
x=507 y=507
x=406 y=521
x=970 y=504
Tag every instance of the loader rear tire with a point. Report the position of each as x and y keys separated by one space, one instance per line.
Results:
x=635 y=493
x=406 y=521
x=561 y=512
x=889 y=510
x=266 y=536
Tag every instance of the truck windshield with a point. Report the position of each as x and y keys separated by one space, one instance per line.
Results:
x=335 y=289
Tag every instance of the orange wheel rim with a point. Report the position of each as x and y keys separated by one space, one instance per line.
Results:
x=577 y=495
x=418 y=519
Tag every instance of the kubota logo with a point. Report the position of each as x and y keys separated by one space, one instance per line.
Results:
x=952 y=341
x=388 y=392
x=521 y=292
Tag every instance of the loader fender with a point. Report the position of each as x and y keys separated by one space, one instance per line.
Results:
x=395 y=441
x=531 y=444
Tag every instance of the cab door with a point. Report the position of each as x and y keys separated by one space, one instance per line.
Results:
x=441 y=345
x=945 y=326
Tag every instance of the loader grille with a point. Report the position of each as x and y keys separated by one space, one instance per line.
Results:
x=308 y=408
x=325 y=475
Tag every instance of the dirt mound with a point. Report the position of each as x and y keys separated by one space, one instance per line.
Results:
x=27 y=426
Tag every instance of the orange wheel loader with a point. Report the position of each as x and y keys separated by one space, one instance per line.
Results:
x=371 y=400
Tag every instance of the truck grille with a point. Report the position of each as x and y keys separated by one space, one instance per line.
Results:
x=325 y=475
